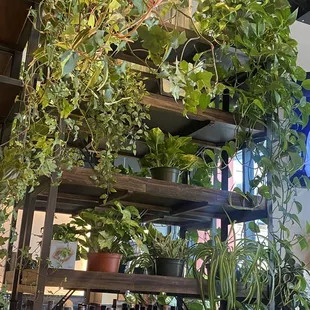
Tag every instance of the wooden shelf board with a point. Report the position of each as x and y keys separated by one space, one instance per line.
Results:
x=5 y=63
x=14 y=24
x=210 y=128
x=117 y=283
x=164 y=201
x=9 y=89
x=159 y=102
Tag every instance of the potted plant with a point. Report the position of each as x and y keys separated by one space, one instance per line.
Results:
x=168 y=156
x=142 y=264
x=169 y=254
x=108 y=235
x=225 y=264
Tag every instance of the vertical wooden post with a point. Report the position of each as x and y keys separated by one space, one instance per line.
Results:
x=24 y=239
x=48 y=230
x=16 y=63
x=45 y=248
x=8 y=264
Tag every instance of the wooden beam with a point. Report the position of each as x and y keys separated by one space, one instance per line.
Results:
x=188 y=207
x=146 y=206
x=73 y=198
x=193 y=127
x=120 y=194
x=157 y=188
x=120 y=282
x=197 y=225
x=245 y=216
x=65 y=205
x=158 y=102
x=45 y=246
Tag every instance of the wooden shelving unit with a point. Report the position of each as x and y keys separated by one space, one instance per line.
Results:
x=9 y=89
x=15 y=29
x=165 y=202
x=116 y=283
x=176 y=204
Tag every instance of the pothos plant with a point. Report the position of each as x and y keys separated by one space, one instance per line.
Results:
x=83 y=92
x=250 y=57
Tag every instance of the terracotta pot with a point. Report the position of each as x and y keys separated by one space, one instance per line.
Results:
x=105 y=262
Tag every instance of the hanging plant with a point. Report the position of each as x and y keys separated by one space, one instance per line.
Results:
x=84 y=94
x=97 y=98
x=251 y=57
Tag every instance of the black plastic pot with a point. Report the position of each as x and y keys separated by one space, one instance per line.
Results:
x=170 y=267
x=138 y=270
x=149 y=271
x=165 y=174
x=122 y=268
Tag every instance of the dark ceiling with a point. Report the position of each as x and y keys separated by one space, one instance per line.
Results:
x=302 y=5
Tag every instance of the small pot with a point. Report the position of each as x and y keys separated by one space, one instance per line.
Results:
x=122 y=268
x=170 y=267
x=104 y=262
x=165 y=174
x=138 y=270
x=149 y=271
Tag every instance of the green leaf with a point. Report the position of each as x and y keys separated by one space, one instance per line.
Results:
x=296 y=159
x=300 y=74
x=292 y=18
x=254 y=227
x=303 y=102
x=204 y=101
x=284 y=229
x=184 y=66
x=114 y=5
x=298 y=206
x=177 y=39
x=264 y=190
x=303 y=243
x=205 y=76
x=91 y=21
x=68 y=62
x=140 y=5
x=307 y=227
x=210 y=153
x=67 y=108
x=259 y=104
x=306 y=84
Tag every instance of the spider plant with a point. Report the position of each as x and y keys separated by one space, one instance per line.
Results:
x=161 y=246
x=219 y=264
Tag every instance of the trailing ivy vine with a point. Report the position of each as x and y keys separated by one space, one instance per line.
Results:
x=83 y=95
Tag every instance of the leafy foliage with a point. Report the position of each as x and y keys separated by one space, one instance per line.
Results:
x=171 y=152
x=249 y=55
x=220 y=263
x=97 y=97
x=109 y=231
x=165 y=246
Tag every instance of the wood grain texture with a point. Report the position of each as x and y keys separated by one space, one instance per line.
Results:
x=160 y=190
x=120 y=282
x=14 y=31
x=169 y=104
x=9 y=89
x=117 y=282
